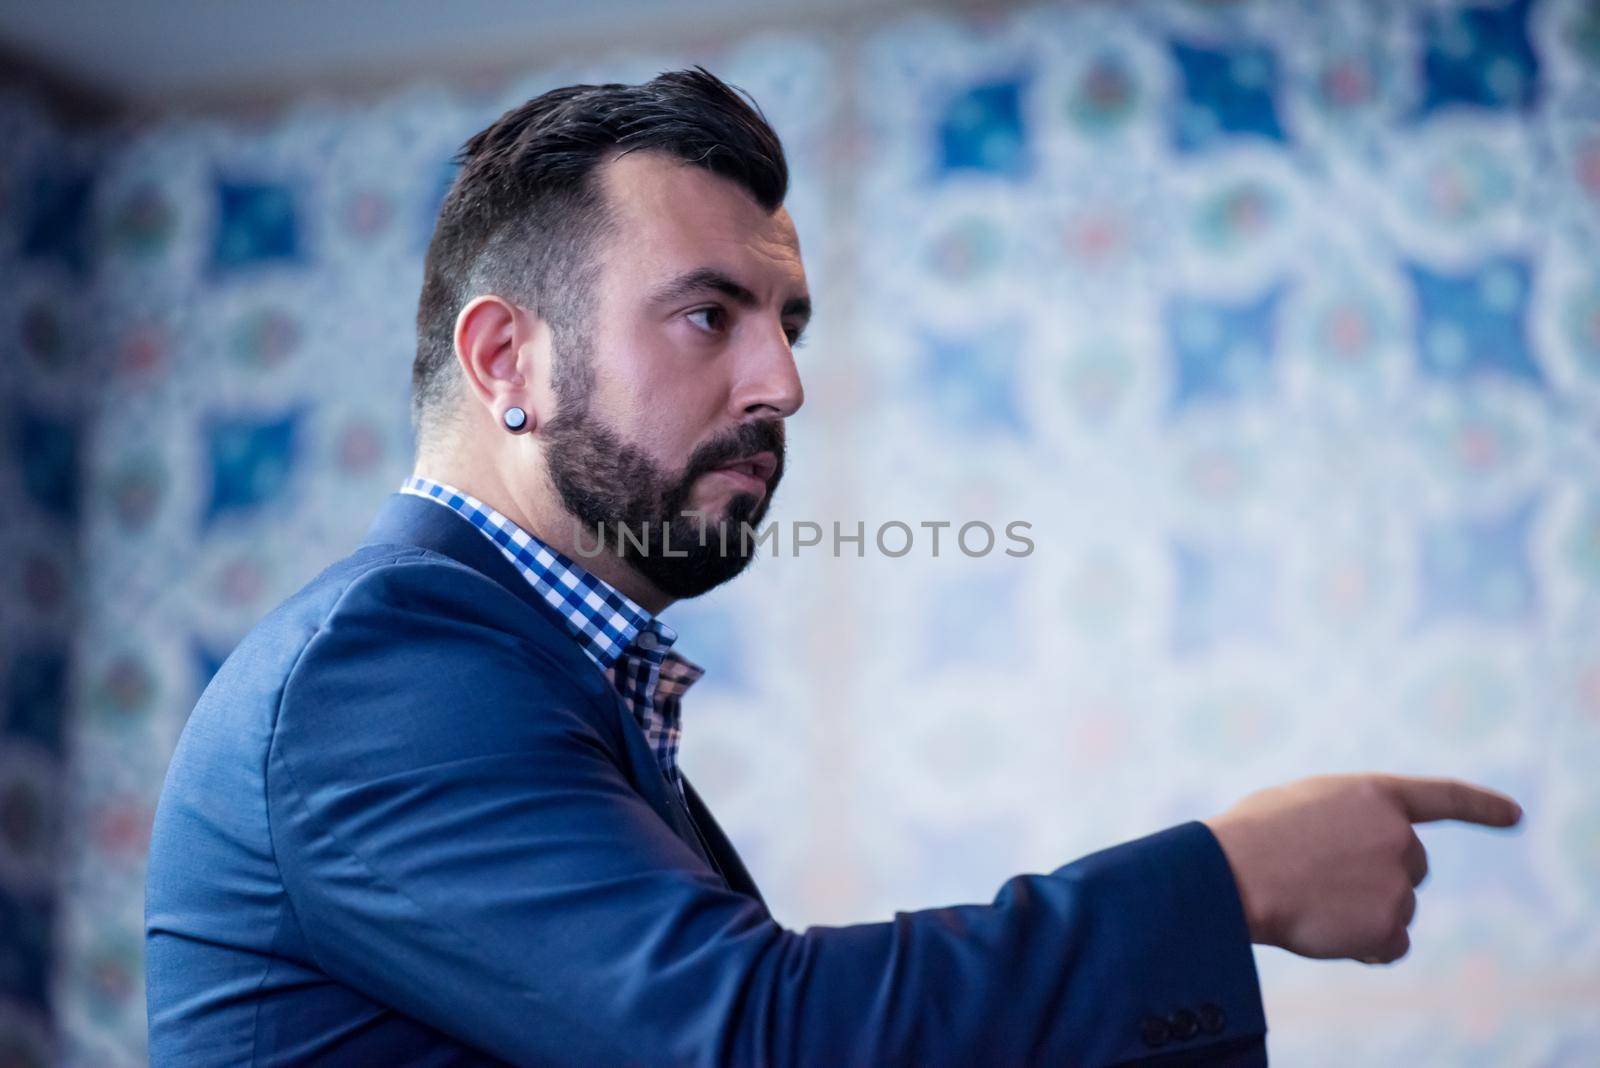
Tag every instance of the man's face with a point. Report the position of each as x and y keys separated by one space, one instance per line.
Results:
x=674 y=403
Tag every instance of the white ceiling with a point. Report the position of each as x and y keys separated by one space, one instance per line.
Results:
x=174 y=52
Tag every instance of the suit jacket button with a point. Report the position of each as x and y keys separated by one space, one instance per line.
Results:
x=1154 y=1031
x=1212 y=1018
x=1184 y=1024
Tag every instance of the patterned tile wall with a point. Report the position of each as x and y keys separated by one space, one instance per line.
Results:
x=47 y=317
x=1279 y=323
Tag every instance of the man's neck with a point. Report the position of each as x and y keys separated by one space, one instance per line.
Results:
x=558 y=528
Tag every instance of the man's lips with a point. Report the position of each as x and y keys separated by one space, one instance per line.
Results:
x=752 y=474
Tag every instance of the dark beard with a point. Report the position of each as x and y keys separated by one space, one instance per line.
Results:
x=608 y=485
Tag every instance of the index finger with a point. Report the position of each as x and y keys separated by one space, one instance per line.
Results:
x=1425 y=800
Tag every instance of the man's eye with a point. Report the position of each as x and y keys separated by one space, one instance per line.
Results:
x=714 y=318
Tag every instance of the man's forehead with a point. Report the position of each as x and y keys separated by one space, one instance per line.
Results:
x=671 y=213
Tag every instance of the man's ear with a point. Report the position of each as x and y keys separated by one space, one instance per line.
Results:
x=504 y=352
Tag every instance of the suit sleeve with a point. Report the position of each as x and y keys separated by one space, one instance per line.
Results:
x=458 y=841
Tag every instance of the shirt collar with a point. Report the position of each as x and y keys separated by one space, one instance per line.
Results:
x=603 y=619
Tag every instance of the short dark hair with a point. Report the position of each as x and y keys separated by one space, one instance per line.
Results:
x=523 y=214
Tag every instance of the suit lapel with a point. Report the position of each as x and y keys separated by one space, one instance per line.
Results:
x=406 y=519
x=725 y=857
x=652 y=782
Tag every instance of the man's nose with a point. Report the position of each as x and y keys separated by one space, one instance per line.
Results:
x=769 y=382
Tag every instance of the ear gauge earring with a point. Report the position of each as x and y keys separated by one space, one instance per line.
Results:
x=516 y=420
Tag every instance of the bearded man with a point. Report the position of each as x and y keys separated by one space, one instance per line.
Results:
x=429 y=811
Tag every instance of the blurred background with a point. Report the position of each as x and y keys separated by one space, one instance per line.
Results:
x=1279 y=322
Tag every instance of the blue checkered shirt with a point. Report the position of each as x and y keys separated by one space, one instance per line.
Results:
x=631 y=646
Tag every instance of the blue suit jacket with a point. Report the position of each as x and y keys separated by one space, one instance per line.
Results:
x=409 y=822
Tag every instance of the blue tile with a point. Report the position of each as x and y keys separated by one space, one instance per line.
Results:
x=1221 y=352
x=56 y=227
x=1225 y=92
x=36 y=696
x=1478 y=567
x=970 y=382
x=49 y=452
x=981 y=129
x=1475 y=323
x=1479 y=57
x=251 y=459
x=1223 y=593
x=257 y=223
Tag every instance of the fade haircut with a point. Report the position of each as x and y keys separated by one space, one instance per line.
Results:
x=525 y=212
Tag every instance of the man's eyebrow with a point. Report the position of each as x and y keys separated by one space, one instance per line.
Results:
x=703 y=279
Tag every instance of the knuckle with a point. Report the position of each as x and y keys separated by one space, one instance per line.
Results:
x=1391 y=837
x=1404 y=909
x=1392 y=946
x=1417 y=859
x=1368 y=791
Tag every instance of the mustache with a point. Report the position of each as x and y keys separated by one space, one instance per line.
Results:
x=741 y=442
